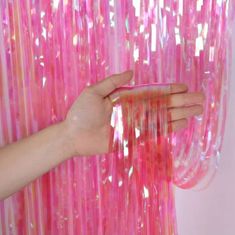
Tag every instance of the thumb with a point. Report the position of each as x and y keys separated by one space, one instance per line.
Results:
x=109 y=84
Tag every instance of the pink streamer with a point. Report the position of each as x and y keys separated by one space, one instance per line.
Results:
x=50 y=51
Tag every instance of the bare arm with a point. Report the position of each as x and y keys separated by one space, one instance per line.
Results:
x=31 y=157
x=85 y=131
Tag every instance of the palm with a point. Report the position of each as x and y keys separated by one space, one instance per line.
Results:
x=90 y=117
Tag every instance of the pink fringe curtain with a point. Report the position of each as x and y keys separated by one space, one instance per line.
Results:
x=50 y=50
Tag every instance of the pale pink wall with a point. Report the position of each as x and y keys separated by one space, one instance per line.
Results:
x=212 y=211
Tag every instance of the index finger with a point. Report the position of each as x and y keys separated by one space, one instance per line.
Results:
x=178 y=88
x=148 y=91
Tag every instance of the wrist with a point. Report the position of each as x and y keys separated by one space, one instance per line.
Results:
x=66 y=133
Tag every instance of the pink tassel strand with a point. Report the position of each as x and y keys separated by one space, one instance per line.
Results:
x=50 y=50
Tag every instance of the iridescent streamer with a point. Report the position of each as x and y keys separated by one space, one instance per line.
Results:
x=50 y=50
x=143 y=167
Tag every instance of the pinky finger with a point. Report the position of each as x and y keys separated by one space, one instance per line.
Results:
x=177 y=125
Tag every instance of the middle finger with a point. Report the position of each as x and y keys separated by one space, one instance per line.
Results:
x=184 y=112
x=185 y=99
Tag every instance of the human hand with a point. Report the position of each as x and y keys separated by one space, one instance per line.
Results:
x=88 y=120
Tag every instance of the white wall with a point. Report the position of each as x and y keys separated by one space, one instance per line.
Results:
x=212 y=211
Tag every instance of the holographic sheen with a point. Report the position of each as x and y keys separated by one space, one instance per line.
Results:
x=50 y=50
x=142 y=170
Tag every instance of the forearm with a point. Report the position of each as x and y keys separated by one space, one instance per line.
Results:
x=24 y=161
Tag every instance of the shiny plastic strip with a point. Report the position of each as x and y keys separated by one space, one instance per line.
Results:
x=50 y=50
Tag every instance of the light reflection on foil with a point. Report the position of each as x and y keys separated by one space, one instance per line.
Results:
x=50 y=51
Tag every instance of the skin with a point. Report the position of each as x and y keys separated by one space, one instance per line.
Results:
x=84 y=132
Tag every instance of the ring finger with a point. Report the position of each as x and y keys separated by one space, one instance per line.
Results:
x=175 y=114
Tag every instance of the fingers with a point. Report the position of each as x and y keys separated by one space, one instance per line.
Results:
x=184 y=99
x=182 y=106
x=177 y=125
x=143 y=92
x=109 y=84
x=175 y=114
x=178 y=88
x=150 y=91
